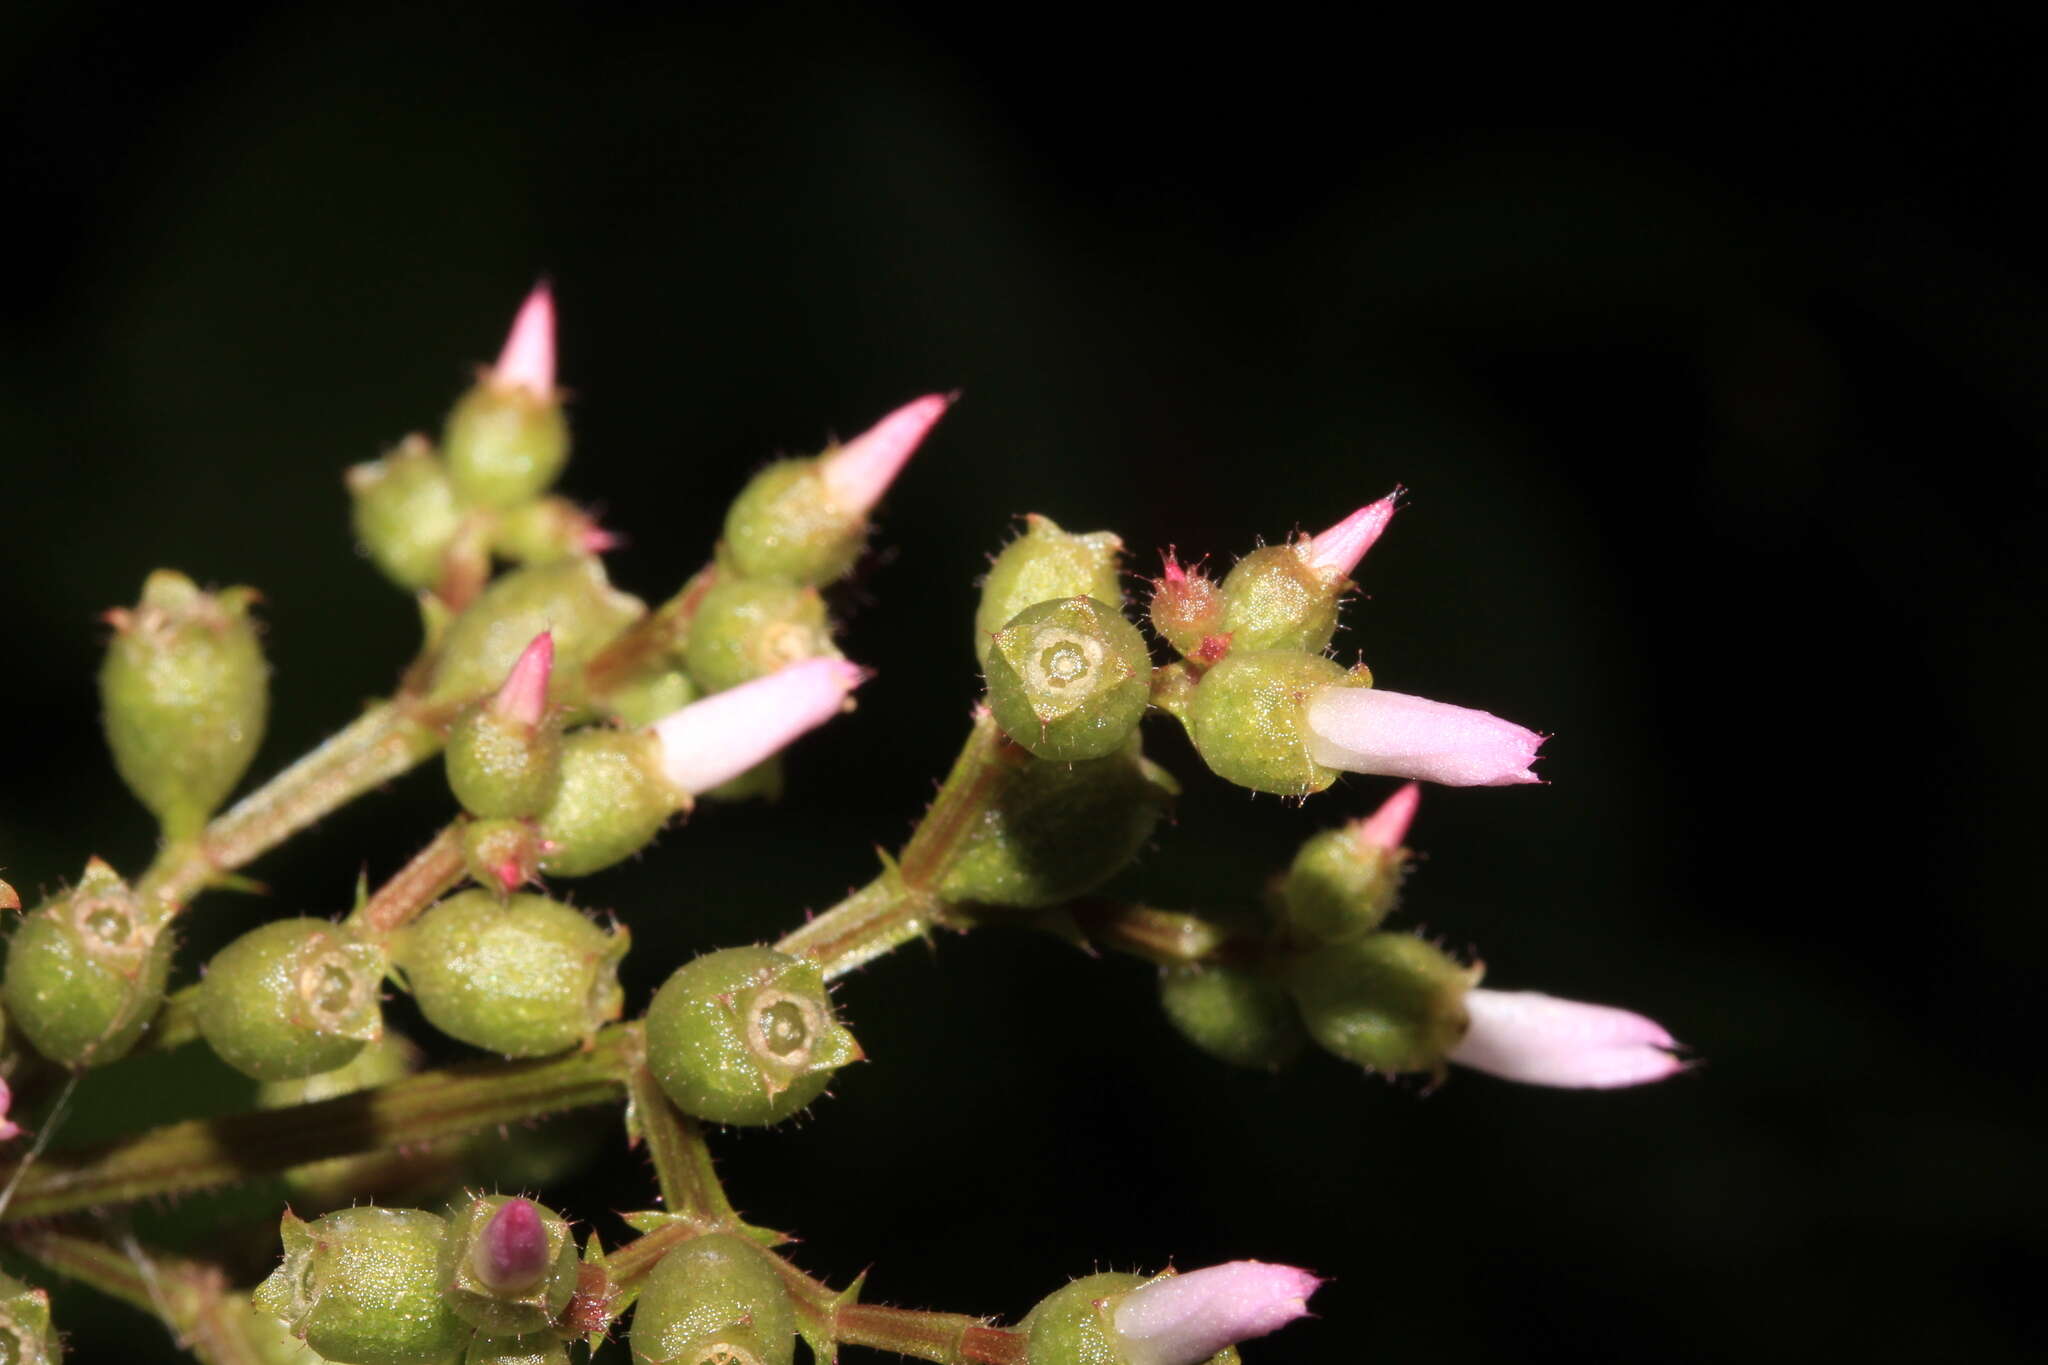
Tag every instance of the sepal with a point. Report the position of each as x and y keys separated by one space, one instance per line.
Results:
x=571 y=599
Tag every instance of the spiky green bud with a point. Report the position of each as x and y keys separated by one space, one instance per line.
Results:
x=1069 y=679
x=364 y=1286
x=748 y=627
x=714 y=1300
x=1275 y=599
x=505 y=443
x=1042 y=564
x=524 y=977
x=406 y=513
x=609 y=803
x=86 y=971
x=292 y=998
x=572 y=599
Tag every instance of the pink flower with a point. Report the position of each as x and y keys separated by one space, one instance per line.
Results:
x=9 y=1129
x=859 y=472
x=1387 y=827
x=1541 y=1040
x=714 y=740
x=1371 y=730
x=511 y=1251
x=1185 y=1319
x=523 y=699
x=1336 y=552
x=528 y=360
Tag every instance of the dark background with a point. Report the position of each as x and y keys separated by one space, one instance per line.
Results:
x=1710 y=353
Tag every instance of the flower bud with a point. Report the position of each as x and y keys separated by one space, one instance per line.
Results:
x=1345 y=881
x=546 y=530
x=406 y=513
x=291 y=998
x=710 y=742
x=746 y=1036
x=502 y=855
x=804 y=521
x=185 y=692
x=1249 y=719
x=1187 y=611
x=524 y=978
x=508 y=1265
x=1389 y=1002
x=26 y=1334
x=534 y=1348
x=503 y=756
x=507 y=439
x=610 y=801
x=1274 y=600
x=746 y=628
x=1233 y=1014
x=1053 y=831
x=1371 y=730
x=85 y=973
x=714 y=1300
x=1042 y=564
x=1069 y=679
x=363 y=1285
x=571 y=600
x=1539 y=1039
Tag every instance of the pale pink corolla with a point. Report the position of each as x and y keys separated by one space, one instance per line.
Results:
x=714 y=740
x=528 y=360
x=1541 y=1040
x=523 y=697
x=1336 y=552
x=858 y=473
x=1387 y=827
x=1371 y=730
x=1185 y=1319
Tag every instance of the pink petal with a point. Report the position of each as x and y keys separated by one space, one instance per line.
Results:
x=511 y=1251
x=528 y=360
x=1541 y=1040
x=523 y=698
x=859 y=472
x=8 y=1128
x=1185 y=1319
x=1336 y=552
x=716 y=739
x=1371 y=730
x=1387 y=827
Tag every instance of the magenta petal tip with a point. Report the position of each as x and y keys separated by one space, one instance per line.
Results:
x=859 y=472
x=523 y=698
x=1185 y=1319
x=1336 y=552
x=1542 y=1040
x=511 y=1250
x=712 y=741
x=528 y=360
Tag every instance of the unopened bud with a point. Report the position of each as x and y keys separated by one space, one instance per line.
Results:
x=86 y=971
x=185 y=693
x=507 y=439
x=548 y=529
x=609 y=803
x=745 y=1036
x=1187 y=611
x=1389 y=1002
x=1042 y=564
x=1234 y=1014
x=364 y=1285
x=26 y=1334
x=503 y=758
x=405 y=513
x=1185 y=1319
x=523 y=977
x=291 y=998
x=1345 y=881
x=508 y=1265
x=571 y=600
x=1273 y=599
x=714 y=1300
x=746 y=628
x=1069 y=679
x=1249 y=719
x=1539 y=1039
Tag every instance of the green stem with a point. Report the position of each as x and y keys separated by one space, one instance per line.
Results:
x=1169 y=938
x=190 y=1297
x=433 y=871
x=948 y=1338
x=426 y=1108
x=662 y=632
x=682 y=1160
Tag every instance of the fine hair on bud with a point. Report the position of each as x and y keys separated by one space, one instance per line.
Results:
x=572 y=600
x=1069 y=679
x=27 y=1336
x=291 y=998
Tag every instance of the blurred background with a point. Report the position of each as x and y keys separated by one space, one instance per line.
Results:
x=1711 y=357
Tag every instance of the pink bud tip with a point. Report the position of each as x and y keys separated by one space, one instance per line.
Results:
x=1172 y=572
x=714 y=740
x=1541 y=1040
x=595 y=540
x=1185 y=1319
x=523 y=699
x=9 y=1129
x=1387 y=827
x=509 y=873
x=859 y=472
x=1336 y=552
x=528 y=360
x=1370 y=730
x=511 y=1252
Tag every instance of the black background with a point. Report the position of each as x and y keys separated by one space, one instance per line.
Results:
x=1711 y=351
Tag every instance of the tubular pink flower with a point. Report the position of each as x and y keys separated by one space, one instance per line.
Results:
x=528 y=360
x=1387 y=827
x=859 y=472
x=715 y=740
x=1336 y=552
x=1541 y=1040
x=511 y=1251
x=1185 y=1319
x=1371 y=730
x=523 y=699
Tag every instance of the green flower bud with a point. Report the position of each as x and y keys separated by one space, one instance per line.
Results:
x=1389 y=1002
x=1187 y=611
x=646 y=700
x=1071 y=1325
x=342 y=1181
x=1040 y=565
x=571 y=598
x=748 y=627
x=508 y=1265
x=406 y=514
x=185 y=693
x=524 y=978
x=291 y=998
x=746 y=1036
x=1054 y=830
x=1235 y=1015
x=363 y=1286
x=714 y=1300
x=784 y=525
x=1069 y=679
x=1248 y=720
x=501 y=767
x=26 y=1336
x=610 y=803
x=505 y=443
x=1274 y=599
x=1341 y=886
x=546 y=530
x=534 y=1348
x=85 y=973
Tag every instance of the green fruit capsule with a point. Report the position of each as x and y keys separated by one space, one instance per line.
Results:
x=523 y=978
x=185 y=693
x=292 y=998
x=1389 y=1002
x=85 y=973
x=714 y=1300
x=505 y=443
x=508 y=1265
x=1234 y=1015
x=406 y=514
x=26 y=1336
x=1273 y=599
x=1069 y=679
x=572 y=599
x=363 y=1285
x=1043 y=564
x=746 y=1036
x=1249 y=722
x=746 y=628
x=609 y=804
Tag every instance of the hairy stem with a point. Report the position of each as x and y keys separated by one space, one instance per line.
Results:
x=1169 y=938
x=190 y=1297
x=433 y=871
x=948 y=1338
x=682 y=1161
x=663 y=631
